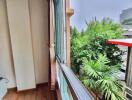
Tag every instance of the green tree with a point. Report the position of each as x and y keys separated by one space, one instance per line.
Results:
x=92 y=42
x=94 y=61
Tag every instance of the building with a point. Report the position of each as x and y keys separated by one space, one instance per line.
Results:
x=35 y=49
x=126 y=21
x=126 y=17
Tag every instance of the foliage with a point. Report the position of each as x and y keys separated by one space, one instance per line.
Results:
x=99 y=45
x=92 y=42
x=77 y=41
x=101 y=78
x=96 y=62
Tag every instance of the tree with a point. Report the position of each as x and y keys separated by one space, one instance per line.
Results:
x=94 y=61
x=94 y=39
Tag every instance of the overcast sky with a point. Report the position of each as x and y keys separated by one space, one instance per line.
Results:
x=88 y=9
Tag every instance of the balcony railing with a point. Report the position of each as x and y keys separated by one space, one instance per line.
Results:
x=70 y=86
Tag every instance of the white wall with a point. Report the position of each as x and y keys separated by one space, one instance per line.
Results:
x=6 y=62
x=38 y=27
x=21 y=41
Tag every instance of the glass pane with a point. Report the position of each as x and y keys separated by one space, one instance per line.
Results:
x=59 y=27
x=63 y=85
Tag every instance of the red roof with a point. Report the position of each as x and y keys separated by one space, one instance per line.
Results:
x=124 y=42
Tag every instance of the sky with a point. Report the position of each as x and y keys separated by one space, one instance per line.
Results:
x=86 y=10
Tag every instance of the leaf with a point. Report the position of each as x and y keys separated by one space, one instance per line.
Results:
x=95 y=61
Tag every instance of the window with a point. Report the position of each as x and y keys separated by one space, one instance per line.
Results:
x=60 y=38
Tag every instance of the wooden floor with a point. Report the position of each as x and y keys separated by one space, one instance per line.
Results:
x=40 y=93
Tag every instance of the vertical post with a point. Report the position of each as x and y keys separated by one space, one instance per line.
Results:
x=68 y=34
x=68 y=41
x=51 y=25
x=69 y=13
x=129 y=72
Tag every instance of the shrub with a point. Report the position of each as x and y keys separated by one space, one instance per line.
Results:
x=101 y=78
x=94 y=61
x=91 y=42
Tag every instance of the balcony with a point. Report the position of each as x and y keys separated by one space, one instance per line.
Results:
x=25 y=38
x=35 y=51
x=61 y=86
x=64 y=82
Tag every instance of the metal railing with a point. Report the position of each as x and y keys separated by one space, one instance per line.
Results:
x=69 y=85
